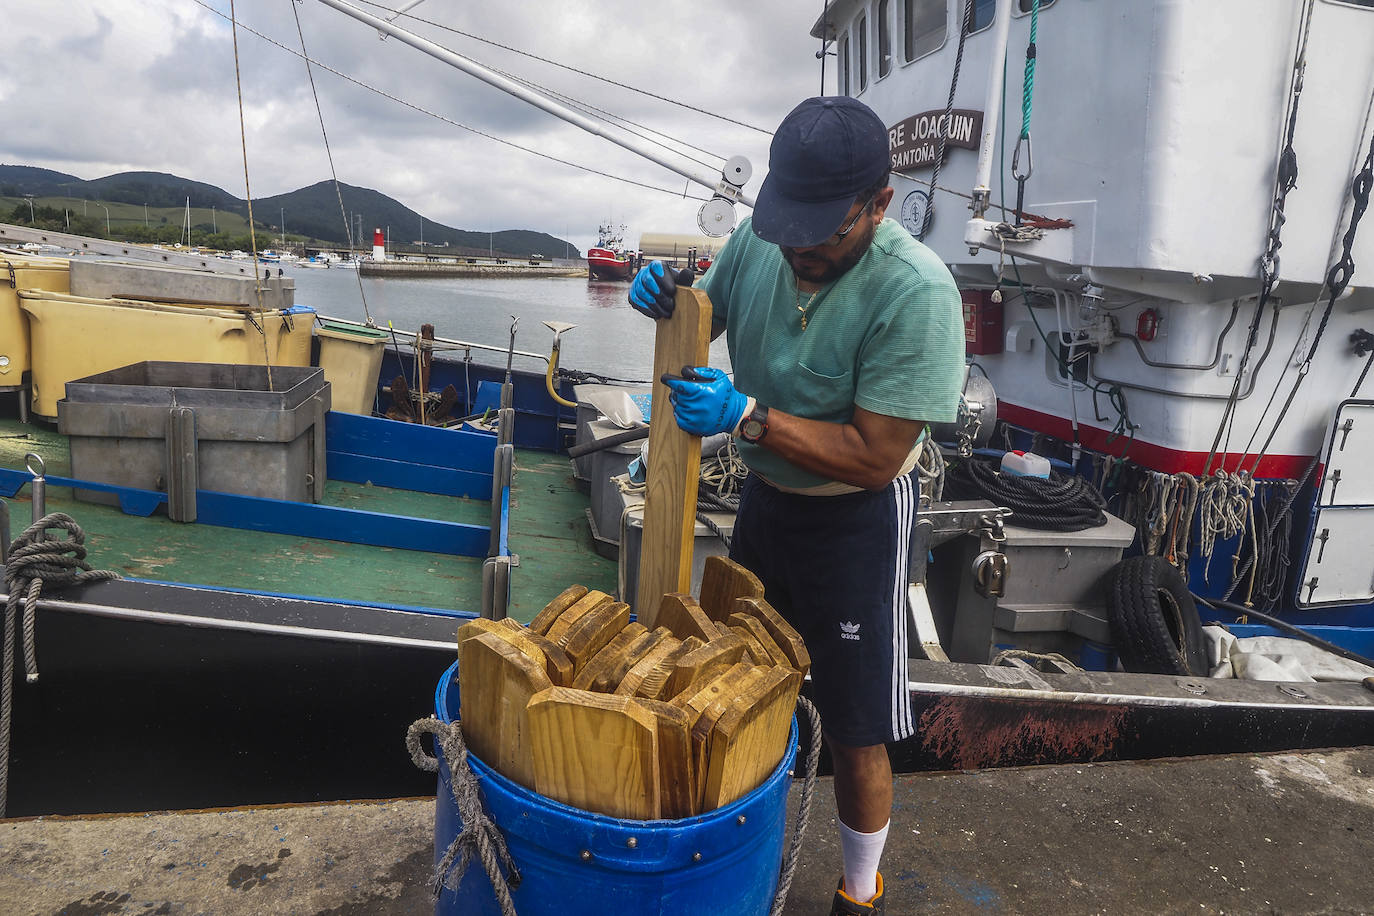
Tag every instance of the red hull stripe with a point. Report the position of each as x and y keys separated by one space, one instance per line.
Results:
x=1147 y=454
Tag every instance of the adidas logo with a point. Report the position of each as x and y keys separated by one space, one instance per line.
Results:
x=849 y=630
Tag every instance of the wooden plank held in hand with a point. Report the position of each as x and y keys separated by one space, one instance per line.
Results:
x=722 y=581
x=670 y=498
x=596 y=752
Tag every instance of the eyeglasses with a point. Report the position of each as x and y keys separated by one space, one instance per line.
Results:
x=839 y=237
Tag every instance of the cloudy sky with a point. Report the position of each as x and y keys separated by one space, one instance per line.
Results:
x=93 y=87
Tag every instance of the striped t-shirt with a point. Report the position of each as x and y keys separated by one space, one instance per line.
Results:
x=886 y=336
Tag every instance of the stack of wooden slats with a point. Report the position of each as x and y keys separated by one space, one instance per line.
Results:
x=610 y=716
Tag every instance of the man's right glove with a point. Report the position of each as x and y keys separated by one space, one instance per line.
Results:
x=654 y=289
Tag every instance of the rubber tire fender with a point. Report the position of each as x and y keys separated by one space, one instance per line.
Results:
x=1153 y=619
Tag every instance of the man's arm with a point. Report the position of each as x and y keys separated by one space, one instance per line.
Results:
x=867 y=452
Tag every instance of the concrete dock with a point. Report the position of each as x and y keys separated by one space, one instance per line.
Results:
x=1283 y=833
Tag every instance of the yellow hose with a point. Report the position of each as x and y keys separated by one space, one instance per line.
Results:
x=548 y=377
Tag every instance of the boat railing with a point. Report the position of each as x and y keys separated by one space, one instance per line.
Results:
x=443 y=343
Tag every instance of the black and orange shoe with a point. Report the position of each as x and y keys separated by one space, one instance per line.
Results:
x=846 y=905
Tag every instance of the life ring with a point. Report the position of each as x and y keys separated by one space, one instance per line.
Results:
x=1153 y=619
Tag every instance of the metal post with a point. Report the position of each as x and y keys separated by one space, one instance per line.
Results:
x=992 y=106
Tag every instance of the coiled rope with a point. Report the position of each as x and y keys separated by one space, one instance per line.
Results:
x=1061 y=503
x=35 y=563
x=481 y=836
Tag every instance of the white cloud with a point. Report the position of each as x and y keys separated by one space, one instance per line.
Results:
x=128 y=85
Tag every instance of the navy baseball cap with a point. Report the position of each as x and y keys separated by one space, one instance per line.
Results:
x=825 y=152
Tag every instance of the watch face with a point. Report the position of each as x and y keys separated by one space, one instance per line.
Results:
x=914 y=208
x=751 y=430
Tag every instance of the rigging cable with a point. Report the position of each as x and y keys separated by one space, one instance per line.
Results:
x=965 y=26
x=1028 y=86
x=248 y=196
x=1285 y=179
x=386 y=95
x=333 y=172
x=545 y=60
x=1337 y=279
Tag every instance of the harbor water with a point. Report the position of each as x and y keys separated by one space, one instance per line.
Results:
x=610 y=338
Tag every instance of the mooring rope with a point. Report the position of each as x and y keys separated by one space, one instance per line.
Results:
x=813 y=757
x=479 y=835
x=36 y=562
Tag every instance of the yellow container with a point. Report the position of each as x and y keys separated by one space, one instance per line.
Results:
x=351 y=357
x=72 y=337
x=18 y=273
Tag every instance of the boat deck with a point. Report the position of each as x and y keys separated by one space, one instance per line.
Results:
x=548 y=531
x=1237 y=834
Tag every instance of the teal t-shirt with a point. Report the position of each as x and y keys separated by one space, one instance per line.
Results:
x=887 y=336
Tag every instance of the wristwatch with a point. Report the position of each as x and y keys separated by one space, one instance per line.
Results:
x=755 y=426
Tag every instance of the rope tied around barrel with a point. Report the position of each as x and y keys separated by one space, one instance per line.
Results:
x=480 y=836
x=36 y=562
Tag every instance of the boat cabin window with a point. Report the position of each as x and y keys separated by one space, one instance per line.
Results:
x=843 y=75
x=884 y=38
x=861 y=52
x=1026 y=6
x=983 y=11
x=924 y=23
x=1368 y=4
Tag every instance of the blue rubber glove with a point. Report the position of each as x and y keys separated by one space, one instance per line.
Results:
x=654 y=289
x=705 y=403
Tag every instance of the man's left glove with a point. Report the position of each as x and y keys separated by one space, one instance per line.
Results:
x=705 y=403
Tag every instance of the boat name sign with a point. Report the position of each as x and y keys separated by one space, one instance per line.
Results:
x=915 y=141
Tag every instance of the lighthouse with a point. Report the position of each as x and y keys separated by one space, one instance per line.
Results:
x=378 y=245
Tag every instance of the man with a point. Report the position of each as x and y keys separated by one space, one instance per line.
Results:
x=846 y=338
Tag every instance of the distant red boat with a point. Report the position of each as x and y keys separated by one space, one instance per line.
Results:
x=607 y=261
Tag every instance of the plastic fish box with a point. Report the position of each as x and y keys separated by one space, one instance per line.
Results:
x=18 y=273
x=251 y=438
x=74 y=337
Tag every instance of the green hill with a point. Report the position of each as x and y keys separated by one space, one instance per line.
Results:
x=138 y=203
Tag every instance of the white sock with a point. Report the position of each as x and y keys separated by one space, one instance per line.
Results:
x=861 y=854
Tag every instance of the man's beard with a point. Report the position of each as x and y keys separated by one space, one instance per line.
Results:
x=814 y=269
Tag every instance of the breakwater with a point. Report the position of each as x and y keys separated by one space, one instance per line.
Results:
x=473 y=268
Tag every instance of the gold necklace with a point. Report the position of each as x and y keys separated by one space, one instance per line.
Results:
x=802 y=308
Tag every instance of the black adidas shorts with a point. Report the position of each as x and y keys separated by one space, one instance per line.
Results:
x=835 y=567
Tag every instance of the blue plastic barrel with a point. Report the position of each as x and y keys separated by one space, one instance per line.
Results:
x=576 y=863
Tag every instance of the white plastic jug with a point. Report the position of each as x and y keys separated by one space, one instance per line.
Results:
x=1025 y=464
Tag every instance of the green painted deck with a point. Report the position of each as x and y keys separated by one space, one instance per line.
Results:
x=548 y=532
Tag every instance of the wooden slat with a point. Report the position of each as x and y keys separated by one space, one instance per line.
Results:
x=749 y=739
x=681 y=614
x=722 y=581
x=678 y=786
x=557 y=664
x=784 y=635
x=706 y=711
x=583 y=606
x=597 y=628
x=636 y=651
x=757 y=653
x=670 y=497
x=496 y=681
x=647 y=669
x=704 y=663
x=609 y=655
x=761 y=636
x=596 y=752
x=516 y=635
x=566 y=599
